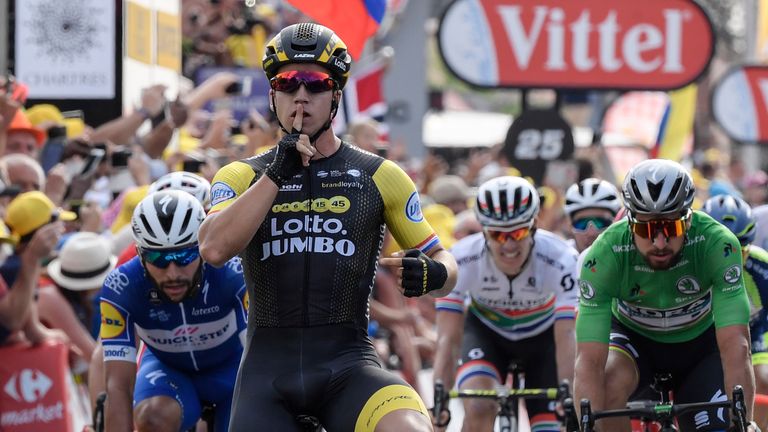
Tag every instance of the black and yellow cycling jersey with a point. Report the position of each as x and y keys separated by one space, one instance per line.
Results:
x=312 y=261
x=310 y=269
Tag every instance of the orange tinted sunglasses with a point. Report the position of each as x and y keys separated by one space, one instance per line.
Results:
x=669 y=227
x=503 y=236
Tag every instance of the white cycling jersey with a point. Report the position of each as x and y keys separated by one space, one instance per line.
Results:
x=523 y=306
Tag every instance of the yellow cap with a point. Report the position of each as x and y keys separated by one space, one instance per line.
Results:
x=31 y=210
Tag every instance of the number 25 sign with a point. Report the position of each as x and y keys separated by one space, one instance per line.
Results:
x=740 y=104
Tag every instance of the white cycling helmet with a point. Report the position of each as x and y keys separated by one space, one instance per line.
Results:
x=592 y=193
x=168 y=219
x=186 y=181
x=506 y=203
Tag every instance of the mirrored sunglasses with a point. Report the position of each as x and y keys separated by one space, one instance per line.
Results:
x=290 y=81
x=164 y=258
x=599 y=223
x=503 y=236
x=668 y=227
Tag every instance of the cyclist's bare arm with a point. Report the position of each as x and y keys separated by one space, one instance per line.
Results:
x=565 y=345
x=735 y=353
x=450 y=330
x=225 y=233
x=120 y=379
x=589 y=376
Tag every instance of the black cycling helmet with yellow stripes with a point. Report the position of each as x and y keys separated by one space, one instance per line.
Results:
x=308 y=43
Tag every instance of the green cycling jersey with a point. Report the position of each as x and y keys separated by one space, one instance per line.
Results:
x=674 y=305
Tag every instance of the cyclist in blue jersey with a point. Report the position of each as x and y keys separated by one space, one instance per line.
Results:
x=736 y=215
x=189 y=316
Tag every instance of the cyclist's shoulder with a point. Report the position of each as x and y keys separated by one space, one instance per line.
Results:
x=705 y=230
x=469 y=249
x=231 y=271
x=552 y=245
x=118 y=283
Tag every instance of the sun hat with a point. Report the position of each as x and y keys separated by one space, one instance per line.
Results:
x=83 y=263
x=30 y=211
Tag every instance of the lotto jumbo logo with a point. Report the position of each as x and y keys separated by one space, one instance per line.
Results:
x=29 y=385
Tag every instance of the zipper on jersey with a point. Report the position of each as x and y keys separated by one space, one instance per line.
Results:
x=305 y=289
x=186 y=329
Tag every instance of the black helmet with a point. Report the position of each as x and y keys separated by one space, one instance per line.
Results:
x=308 y=43
x=658 y=186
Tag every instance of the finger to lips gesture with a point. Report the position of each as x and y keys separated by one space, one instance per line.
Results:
x=303 y=145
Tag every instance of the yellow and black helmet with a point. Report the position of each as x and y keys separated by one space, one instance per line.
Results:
x=308 y=43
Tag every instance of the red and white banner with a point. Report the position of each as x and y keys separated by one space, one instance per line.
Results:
x=363 y=96
x=594 y=44
x=34 y=395
x=740 y=103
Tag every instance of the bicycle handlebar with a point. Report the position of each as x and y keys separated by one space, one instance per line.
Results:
x=665 y=412
x=502 y=394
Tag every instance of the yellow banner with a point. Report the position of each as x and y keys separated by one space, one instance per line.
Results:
x=138 y=33
x=169 y=41
x=679 y=127
x=761 y=45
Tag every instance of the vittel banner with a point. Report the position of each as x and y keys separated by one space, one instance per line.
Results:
x=595 y=44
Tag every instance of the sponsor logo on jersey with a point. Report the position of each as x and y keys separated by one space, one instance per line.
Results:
x=298 y=243
x=623 y=248
x=413 y=208
x=732 y=273
x=755 y=267
x=586 y=289
x=112 y=321
x=235 y=264
x=697 y=239
x=668 y=319
x=291 y=187
x=591 y=265
x=205 y=311
x=643 y=269
x=342 y=184
x=727 y=250
x=336 y=204
x=476 y=353
x=116 y=281
x=688 y=285
x=550 y=261
x=118 y=352
x=354 y=172
x=636 y=291
x=221 y=192
x=185 y=338
x=246 y=301
x=159 y=315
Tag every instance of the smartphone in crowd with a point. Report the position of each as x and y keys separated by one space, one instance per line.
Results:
x=192 y=165
x=120 y=157
x=241 y=87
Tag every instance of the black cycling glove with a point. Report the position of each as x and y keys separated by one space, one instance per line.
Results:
x=287 y=162
x=421 y=274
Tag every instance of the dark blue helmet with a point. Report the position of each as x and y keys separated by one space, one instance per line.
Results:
x=735 y=214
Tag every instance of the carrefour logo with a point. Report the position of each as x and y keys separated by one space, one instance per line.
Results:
x=28 y=385
x=413 y=208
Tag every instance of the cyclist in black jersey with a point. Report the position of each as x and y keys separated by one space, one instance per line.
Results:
x=308 y=218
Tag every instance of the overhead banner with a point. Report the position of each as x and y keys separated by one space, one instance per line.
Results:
x=740 y=103
x=66 y=51
x=591 y=44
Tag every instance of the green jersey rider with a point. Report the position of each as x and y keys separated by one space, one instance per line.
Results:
x=662 y=292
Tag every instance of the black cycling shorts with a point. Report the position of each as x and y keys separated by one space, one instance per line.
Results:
x=697 y=373
x=484 y=351
x=329 y=372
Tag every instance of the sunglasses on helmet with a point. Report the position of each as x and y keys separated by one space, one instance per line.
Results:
x=164 y=258
x=582 y=224
x=668 y=227
x=290 y=81
x=503 y=236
